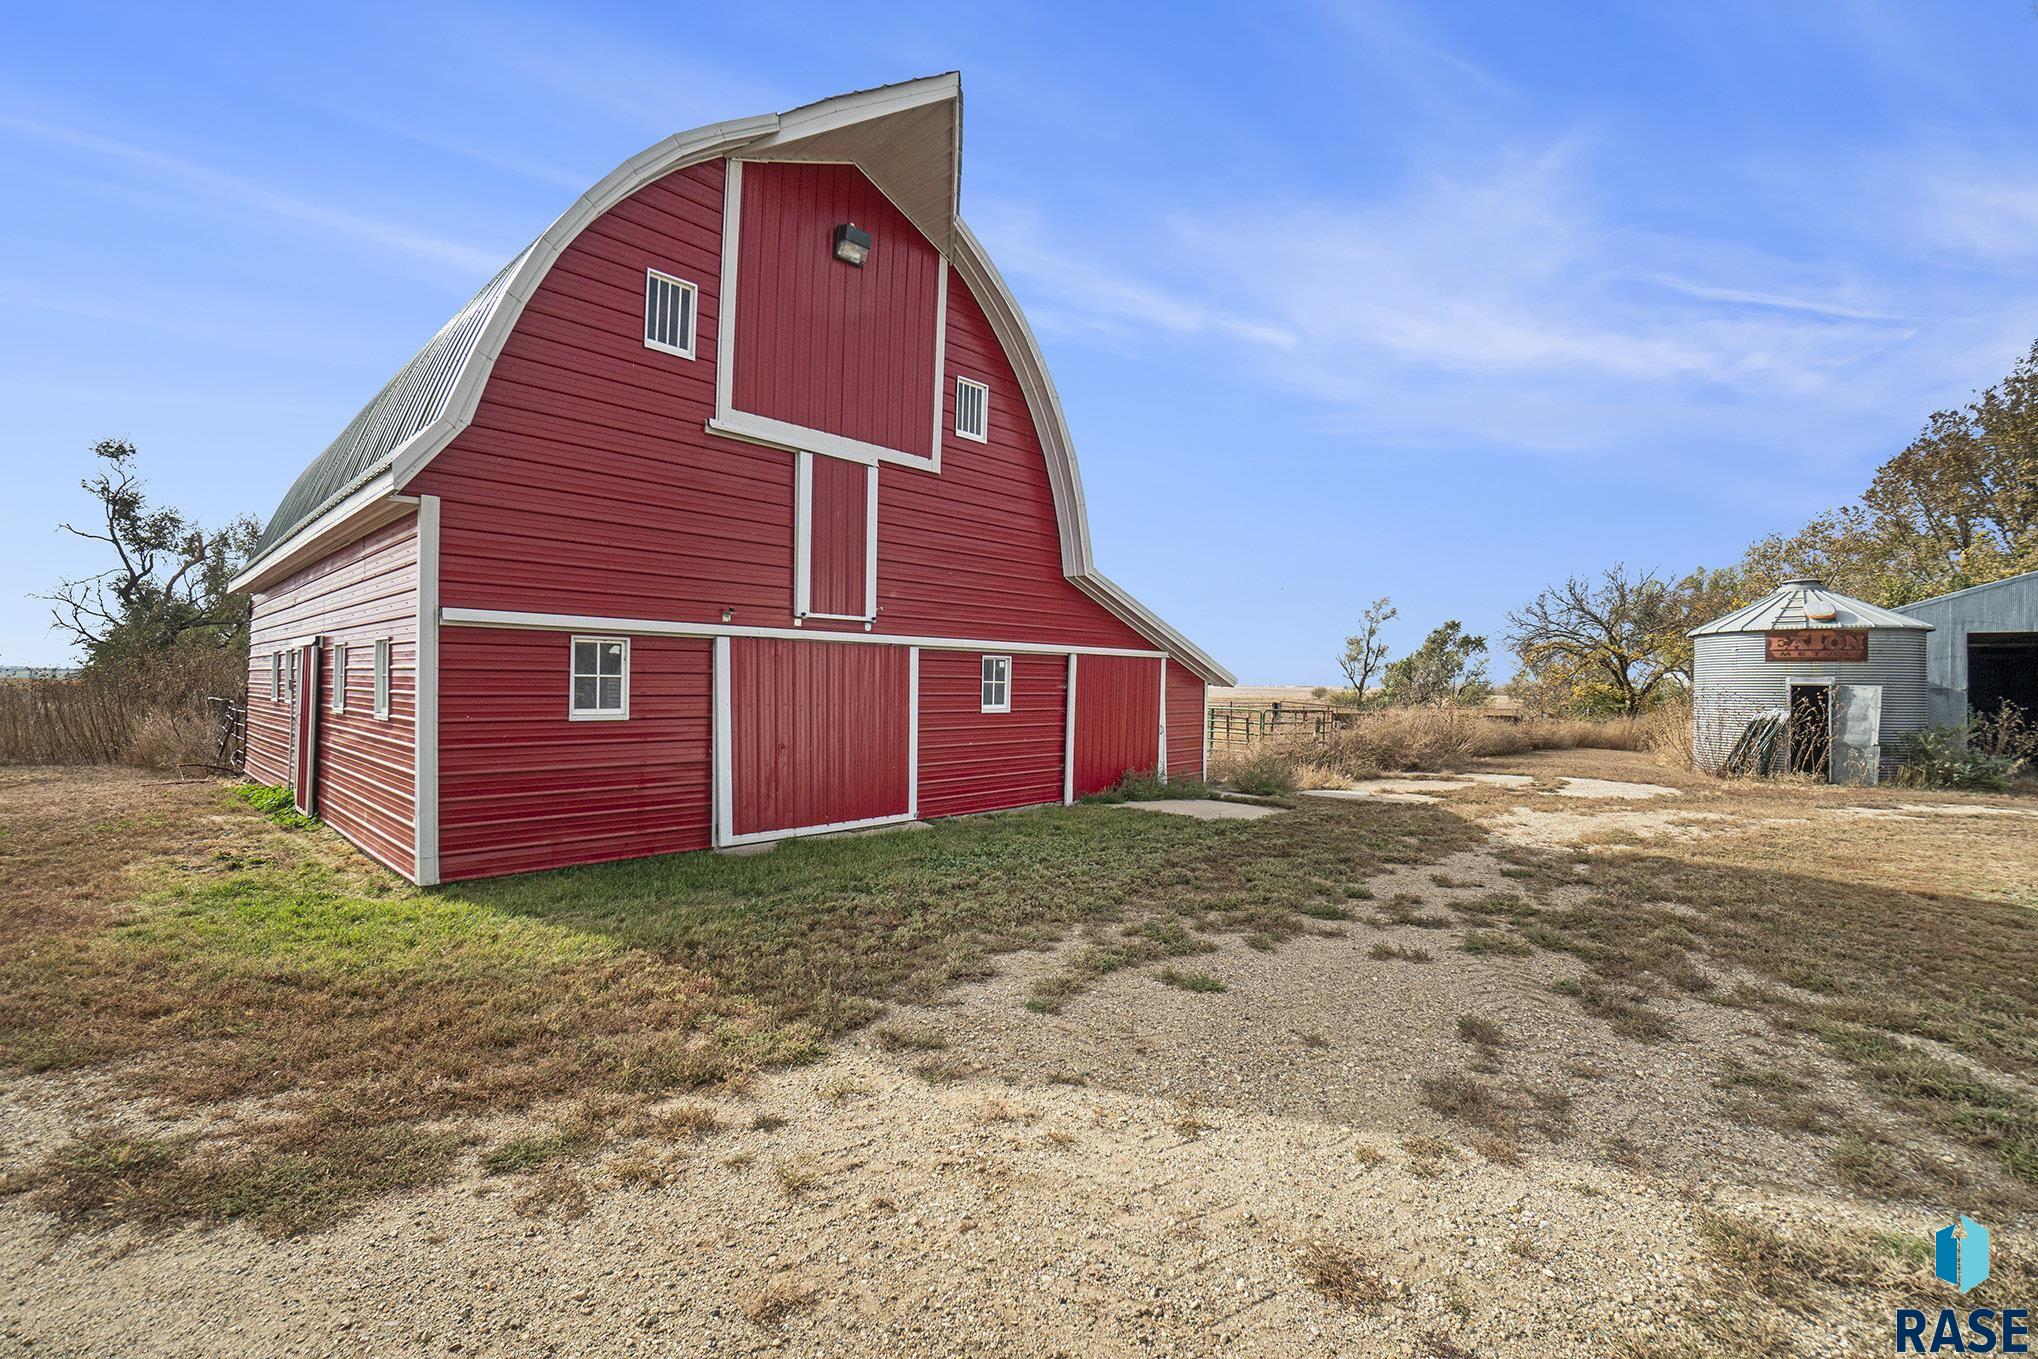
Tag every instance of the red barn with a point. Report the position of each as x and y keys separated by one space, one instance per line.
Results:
x=739 y=505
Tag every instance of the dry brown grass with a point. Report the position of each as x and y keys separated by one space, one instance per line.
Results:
x=1344 y=1277
x=152 y=716
x=777 y=1300
x=1392 y=740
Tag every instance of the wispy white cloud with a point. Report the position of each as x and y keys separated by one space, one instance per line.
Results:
x=1507 y=302
x=190 y=177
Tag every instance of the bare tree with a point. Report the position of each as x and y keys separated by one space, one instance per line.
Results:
x=1621 y=635
x=1365 y=656
x=169 y=578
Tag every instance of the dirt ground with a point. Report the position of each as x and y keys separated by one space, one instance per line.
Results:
x=1153 y=1169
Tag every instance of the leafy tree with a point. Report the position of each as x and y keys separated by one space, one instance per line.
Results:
x=1365 y=655
x=1957 y=507
x=167 y=588
x=1449 y=668
x=1611 y=644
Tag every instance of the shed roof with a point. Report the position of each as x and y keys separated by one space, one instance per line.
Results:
x=2027 y=580
x=1806 y=603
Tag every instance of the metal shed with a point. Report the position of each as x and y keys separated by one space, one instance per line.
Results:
x=1983 y=650
x=1845 y=677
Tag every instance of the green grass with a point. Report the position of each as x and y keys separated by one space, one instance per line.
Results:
x=280 y=963
x=1186 y=980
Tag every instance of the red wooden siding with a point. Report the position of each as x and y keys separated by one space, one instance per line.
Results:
x=975 y=551
x=818 y=733
x=587 y=483
x=826 y=345
x=361 y=592
x=1118 y=700
x=521 y=786
x=974 y=761
x=1185 y=723
x=840 y=527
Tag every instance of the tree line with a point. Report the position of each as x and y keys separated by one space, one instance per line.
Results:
x=1957 y=507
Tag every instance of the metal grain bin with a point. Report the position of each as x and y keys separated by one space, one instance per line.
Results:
x=1746 y=664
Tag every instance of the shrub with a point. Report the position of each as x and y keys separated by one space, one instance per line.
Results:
x=1144 y=785
x=1265 y=773
x=1951 y=757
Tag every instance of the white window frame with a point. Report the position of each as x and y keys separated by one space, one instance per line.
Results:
x=339 y=703
x=579 y=714
x=275 y=677
x=983 y=390
x=985 y=681
x=693 y=314
x=293 y=663
x=382 y=686
x=803 y=544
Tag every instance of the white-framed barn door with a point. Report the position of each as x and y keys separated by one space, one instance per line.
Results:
x=304 y=727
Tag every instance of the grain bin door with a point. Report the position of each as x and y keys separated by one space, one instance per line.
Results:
x=819 y=736
x=304 y=729
x=1118 y=720
x=1857 y=733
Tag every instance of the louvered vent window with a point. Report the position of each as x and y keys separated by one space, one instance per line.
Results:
x=972 y=409
x=669 y=313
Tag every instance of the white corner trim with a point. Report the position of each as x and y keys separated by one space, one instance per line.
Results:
x=913 y=733
x=1068 y=739
x=870 y=545
x=425 y=729
x=803 y=534
x=1205 y=776
x=1162 y=771
x=721 y=739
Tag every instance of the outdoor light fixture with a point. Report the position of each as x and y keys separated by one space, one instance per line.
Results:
x=852 y=244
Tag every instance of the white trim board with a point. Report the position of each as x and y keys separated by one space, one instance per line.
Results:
x=1068 y=739
x=425 y=701
x=660 y=627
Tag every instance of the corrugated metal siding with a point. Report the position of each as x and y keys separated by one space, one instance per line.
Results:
x=840 y=532
x=521 y=786
x=818 y=733
x=974 y=761
x=823 y=344
x=364 y=591
x=2002 y=606
x=1185 y=723
x=1732 y=683
x=1118 y=700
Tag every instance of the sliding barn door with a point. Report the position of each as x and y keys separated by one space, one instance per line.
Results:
x=819 y=736
x=1118 y=720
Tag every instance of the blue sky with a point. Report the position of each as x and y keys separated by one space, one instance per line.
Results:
x=1437 y=301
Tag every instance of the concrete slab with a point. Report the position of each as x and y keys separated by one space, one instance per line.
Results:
x=1611 y=788
x=1370 y=795
x=1202 y=808
x=767 y=846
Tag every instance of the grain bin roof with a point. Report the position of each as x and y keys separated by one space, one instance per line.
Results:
x=1806 y=603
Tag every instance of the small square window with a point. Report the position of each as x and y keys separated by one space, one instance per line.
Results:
x=972 y=409
x=382 y=677
x=600 y=680
x=997 y=686
x=339 y=677
x=669 y=307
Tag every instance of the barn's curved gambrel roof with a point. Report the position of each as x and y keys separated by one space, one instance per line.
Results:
x=433 y=396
